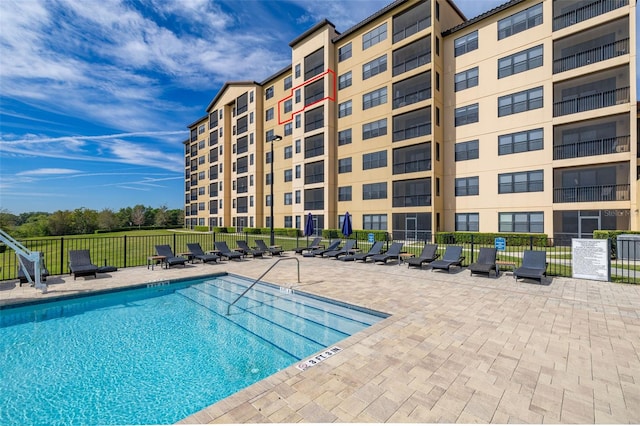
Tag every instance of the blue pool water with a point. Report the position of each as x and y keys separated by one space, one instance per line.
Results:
x=156 y=354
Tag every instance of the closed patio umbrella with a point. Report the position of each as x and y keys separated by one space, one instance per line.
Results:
x=308 y=226
x=346 y=225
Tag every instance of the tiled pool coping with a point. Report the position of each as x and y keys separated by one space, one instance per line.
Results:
x=456 y=348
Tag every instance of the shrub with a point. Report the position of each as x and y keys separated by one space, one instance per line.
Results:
x=488 y=238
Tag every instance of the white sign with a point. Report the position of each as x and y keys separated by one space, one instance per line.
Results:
x=303 y=365
x=590 y=259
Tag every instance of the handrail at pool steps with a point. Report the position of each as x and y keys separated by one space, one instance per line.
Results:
x=260 y=277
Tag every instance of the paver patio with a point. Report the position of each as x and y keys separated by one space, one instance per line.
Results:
x=456 y=348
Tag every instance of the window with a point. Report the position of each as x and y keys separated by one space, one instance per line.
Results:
x=288 y=175
x=467 y=186
x=298 y=167
x=469 y=150
x=298 y=148
x=267 y=200
x=466 y=115
x=242 y=125
x=288 y=221
x=268 y=93
x=469 y=222
x=344 y=80
x=375 y=98
x=410 y=159
x=213 y=119
x=288 y=105
x=201 y=128
x=374 y=160
x=412 y=21
x=375 y=67
x=314 y=64
x=314 y=145
x=344 y=137
x=298 y=121
x=288 y=199
x=530 y=140
x=241 y=103
x=268 y=114
x=412 y=124
x=412 y=56
x=267 y=179
x=466 y=43
x=298 y=196
x=375 y=222
x=375 y=129
x=344 y=165
x=213 y=138
x=243 y=185
x=242 y=205
x=466 y=79
x=297 y=70
x=288 y=82
x=313 y=92
x=288 y=152
x=314 y=119
x=374 y=191
x=532 y=181
x=520 y=102
x=520 y=21
x=314 y=199
x=374 y=36
x=242 y=166
x=344 y=52
x=288 y=129
x=344 y=109
x=412 y=193
x=344 y=193
x=268 y=136
x=520 y=62
x=411 y=90
x=521 y=222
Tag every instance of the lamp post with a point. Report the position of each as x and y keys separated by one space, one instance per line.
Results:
x=272 y=239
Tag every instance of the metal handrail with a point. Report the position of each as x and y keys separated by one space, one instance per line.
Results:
x=260 y=277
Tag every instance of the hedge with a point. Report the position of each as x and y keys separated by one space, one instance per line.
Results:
x=512 y=238
x=613 y=237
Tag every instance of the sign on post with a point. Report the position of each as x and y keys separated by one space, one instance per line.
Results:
x=500 y=243
x=370 y=237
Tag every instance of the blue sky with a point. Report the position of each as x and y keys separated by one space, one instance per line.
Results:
x=95 y=95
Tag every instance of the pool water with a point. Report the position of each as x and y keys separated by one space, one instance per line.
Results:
x=157 y=354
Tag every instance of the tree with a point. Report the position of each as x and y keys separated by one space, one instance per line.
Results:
x=162 y=218
x=85 y=221
x=7 y=220
x=107 y=220
x=60 y=223
x=137 y=215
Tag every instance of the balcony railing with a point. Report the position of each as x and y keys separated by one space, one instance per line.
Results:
x=588 y=11
x=591 y=102
x=590 y=148
x=591 y=56
x=581 y=194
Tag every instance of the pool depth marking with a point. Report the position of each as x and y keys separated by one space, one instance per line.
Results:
x=316 y=359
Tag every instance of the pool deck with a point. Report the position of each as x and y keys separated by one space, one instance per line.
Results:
x=456 y=348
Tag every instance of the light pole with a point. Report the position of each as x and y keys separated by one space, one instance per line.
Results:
x=272 y=239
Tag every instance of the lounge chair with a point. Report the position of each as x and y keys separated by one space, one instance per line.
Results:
x=29 y=266
x=376 y=248
x=392 y=253
x=534 y=265
x=272 y=250
x=452 y=257
x=242 y=245
x=315 y=244
x=169 y=258
x=428 y=255
x=486 y=262
x=196 y=251
x=318 y=252
x=347 y=249
x=225 y=251
x=80 y=264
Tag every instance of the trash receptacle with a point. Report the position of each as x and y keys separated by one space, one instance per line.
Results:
x=628 y=247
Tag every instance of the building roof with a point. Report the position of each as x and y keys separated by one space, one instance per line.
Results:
x=226 y=85
x=195 y=123
x=277 y=73
x=482 y=16
x=311 y=30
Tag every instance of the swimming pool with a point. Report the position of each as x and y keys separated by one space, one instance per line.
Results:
x=158 y=353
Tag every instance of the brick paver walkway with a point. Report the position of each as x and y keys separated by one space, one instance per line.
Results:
x=456 y=349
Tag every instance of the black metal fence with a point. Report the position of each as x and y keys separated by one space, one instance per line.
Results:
x=128 y=251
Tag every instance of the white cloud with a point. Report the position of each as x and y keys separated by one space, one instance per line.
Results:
x=47 y=172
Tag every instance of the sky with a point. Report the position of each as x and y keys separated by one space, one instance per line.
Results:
x=96 y=95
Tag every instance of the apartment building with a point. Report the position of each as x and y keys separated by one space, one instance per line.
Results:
x=418 y=120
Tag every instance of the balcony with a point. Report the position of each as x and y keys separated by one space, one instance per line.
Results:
x=588 y=102
x=591 y=147
x=591 y=56
x=588 y=11
x=582 y=194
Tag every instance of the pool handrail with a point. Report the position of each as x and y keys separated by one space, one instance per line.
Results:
x=260 y=277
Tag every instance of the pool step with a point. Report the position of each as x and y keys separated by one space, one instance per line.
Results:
x=287 y=340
